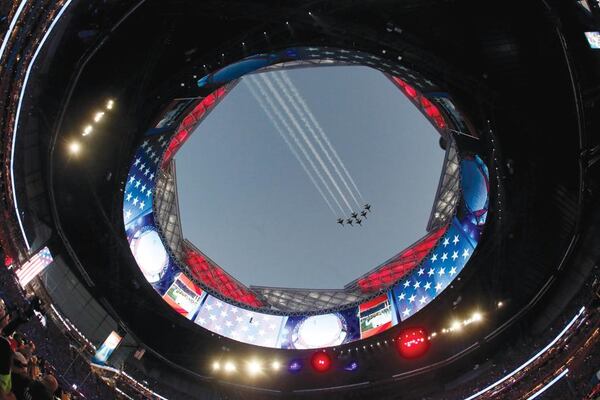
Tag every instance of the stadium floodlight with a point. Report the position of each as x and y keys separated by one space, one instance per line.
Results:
x=74 y=147
x=98 y=116
x=456 y=326
x=110 y=104
x=216 y=366
x=87 y=130
x=254 y=367
x=229 y=367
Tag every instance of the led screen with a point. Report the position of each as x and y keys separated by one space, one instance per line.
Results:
x=106 y=349
x=593 y=39
x=34 y=266
x=184 y=296
x=317 y=331
x=242 y=325
x=418 y=288
x=376 y=316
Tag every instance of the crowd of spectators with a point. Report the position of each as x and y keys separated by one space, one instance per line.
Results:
x=577 y=349
x=37 y=360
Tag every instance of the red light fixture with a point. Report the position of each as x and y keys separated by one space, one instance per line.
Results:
x=412 y=343
x=320 y=361
x=8 y=261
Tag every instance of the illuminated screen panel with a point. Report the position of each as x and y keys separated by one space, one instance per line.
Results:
x=415 y=291
x=453 y=252
x=400 y=265
x=238 y=324
x=318 y=331
x=215 y=278
x=34 y=266
x=106 y=349
x=184 y=296
x=376 y=316
x=593 y=39
x=436 y=261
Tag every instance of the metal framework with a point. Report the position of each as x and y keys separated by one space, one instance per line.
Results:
x=448 y=192
x=307 y=300
x=167 y=208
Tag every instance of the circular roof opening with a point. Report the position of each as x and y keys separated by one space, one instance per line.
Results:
x=269 y=182
x=199 y=289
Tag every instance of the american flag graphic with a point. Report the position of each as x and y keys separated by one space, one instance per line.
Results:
x=34 y=266
x=424 y=283
x=137 y=200
x=238 y=324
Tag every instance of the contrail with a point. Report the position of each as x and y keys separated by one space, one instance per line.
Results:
x=294 y=101
x=290 y=130
x=279 y=130
x=295 y=123
x=318 y=126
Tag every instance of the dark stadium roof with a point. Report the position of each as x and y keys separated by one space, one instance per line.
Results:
x=521 y=71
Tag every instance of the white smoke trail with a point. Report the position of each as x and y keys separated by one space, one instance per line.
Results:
x=279 y=130
x=294 y=102
x=321 y=131
x=299 y=129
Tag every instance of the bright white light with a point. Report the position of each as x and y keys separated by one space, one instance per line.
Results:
x=275 y=365
x=98 y=116
x=253 y=367
x=500 y=304
x=229 y=367
x=216 y=366
x=150 y=254
x=320 y=331
x=110 y=104
x=74 y=386
x=552 y=382
x=532 y=359
x=476 y=317
x=456 y=326
x=87 y=130
x=74 y=147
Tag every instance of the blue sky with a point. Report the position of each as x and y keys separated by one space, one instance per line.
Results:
x=246 y=202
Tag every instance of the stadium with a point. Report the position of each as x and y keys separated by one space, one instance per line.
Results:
x=493 y=293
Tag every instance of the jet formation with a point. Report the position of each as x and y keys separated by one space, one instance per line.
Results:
x=356 y=217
